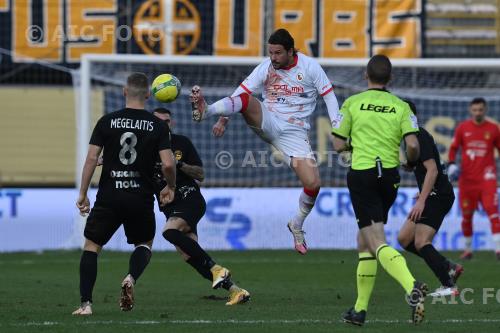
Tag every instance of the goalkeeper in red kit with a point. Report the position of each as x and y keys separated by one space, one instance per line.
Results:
x=477 y=182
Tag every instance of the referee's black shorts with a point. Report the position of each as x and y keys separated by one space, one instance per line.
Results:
x=188 y=205
x=436 y=208
x=134 y=211
x=371 y=196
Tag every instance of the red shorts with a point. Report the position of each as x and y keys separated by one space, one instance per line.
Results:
x=470 y=194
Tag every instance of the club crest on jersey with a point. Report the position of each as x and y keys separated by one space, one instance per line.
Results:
x=178 y=155
x=487 y=135
x=300 y=76
x=465 y=203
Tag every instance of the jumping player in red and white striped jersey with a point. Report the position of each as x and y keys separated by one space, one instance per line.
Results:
x=290 y=83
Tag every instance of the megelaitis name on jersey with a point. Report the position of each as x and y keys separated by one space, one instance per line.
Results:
x=144 y=125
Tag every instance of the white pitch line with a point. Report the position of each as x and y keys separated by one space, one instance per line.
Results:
x=239 y=322
x=263 y=260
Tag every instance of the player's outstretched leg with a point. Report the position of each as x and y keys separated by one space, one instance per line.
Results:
x=417 y=238
x=193 y=250
x=308 y=174
x=223 y=107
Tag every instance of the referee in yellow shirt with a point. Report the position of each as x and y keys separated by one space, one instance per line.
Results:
x=376 y=122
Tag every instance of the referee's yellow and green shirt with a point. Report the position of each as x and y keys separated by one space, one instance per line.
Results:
x=376 y=121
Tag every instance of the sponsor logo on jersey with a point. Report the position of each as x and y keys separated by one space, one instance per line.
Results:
x=287 y=89
x=377 y=108
x=414 y=121
x=178 y=155
x=337 y=120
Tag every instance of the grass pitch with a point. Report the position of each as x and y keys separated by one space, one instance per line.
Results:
x=290 y=293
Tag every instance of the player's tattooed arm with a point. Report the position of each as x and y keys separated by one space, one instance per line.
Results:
x=168 y=167
x=193 y=171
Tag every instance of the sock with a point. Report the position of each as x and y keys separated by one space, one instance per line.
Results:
x=366 y=274
x=437 y=263
x=228 y=284
x=190 y=247
x=492 y=212
x=196 y=264
x=306 y=203
x=206 y=273
x=411 y=248
x=468 y=244
x=88 y=275
x=229 y=105
x=467 y=229
x=139 y=259
x=496 y=241
x=395 y=264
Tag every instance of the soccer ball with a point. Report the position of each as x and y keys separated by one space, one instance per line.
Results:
x=166 y=88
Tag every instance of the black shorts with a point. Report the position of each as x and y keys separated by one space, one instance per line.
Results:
x=135 y=212
x=371 y=196
x=188 y=205
x=436 y=208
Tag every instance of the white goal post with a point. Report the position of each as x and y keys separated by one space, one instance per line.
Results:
x=345 y=73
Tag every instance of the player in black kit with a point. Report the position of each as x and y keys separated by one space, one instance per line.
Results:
x=131 y=140
x=184 y=213
x=434 y=201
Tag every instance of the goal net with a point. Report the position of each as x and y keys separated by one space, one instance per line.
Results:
x=440 y=88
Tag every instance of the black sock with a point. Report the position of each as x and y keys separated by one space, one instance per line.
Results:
x=189 y=246
x=204 y=271
x=227 y=284
x=88 y=275
x=139 y=259
x=411 y=248
x=437 y=263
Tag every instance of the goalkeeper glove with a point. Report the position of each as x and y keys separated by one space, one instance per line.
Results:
x=452 y=171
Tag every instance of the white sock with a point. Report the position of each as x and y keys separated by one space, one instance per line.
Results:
x=225 y=107
x=496 y=240
x=468 y=244
x=306 y=203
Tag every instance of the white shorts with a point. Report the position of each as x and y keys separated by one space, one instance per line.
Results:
x=290 y=139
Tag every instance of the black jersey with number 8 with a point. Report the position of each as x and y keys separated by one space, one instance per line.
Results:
x=131 y=140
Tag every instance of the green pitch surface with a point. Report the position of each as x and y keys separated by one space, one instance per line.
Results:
x=290 y=293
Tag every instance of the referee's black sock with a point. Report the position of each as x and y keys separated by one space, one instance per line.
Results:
x=88 y=275
x=139 y=259
x=411 y=248
x=437 y=263
x=189 y=246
